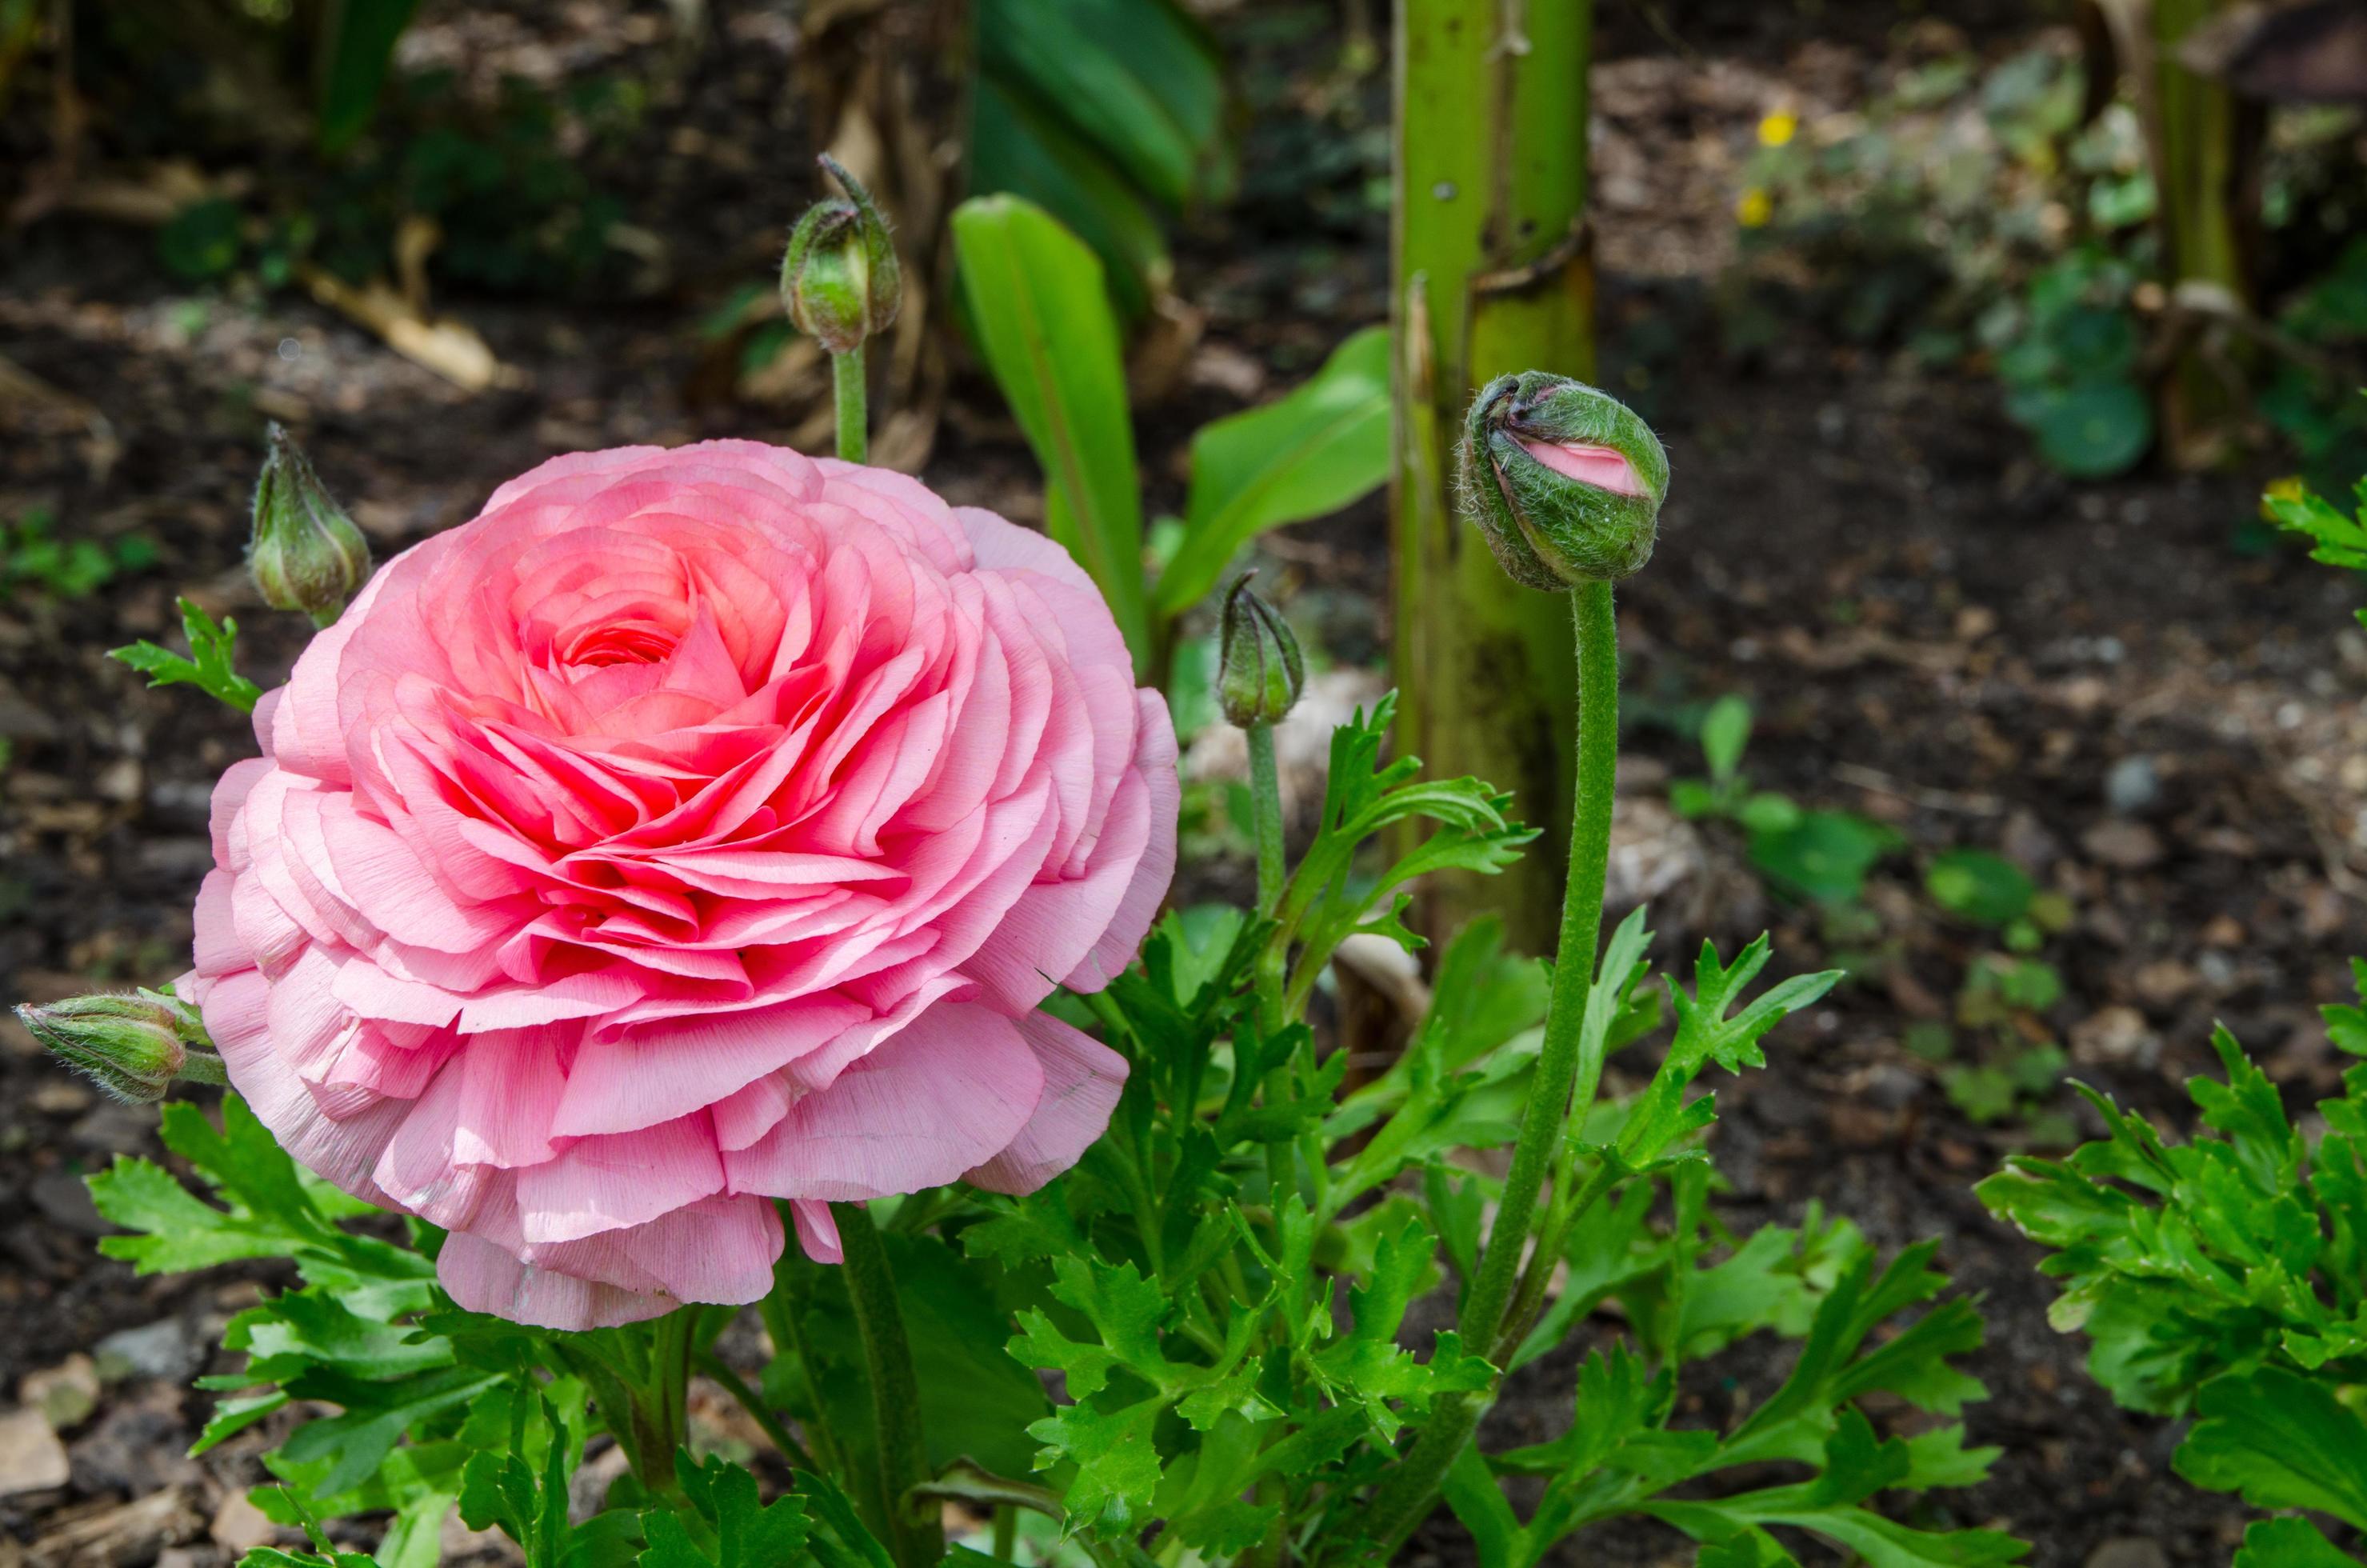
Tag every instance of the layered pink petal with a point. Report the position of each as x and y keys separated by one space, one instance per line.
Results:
x=693 y=829
x=944 y=1096
x=1083 y=1079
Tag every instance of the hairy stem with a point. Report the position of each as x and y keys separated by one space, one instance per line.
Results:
x=1265 y=811
x=1405 y=1498
x=1550 y=1107
x=853 y=410
x=1528 y=1301
x=202 y=1067
x=781 y=1328
x=1265 y=817
x=916 y=1541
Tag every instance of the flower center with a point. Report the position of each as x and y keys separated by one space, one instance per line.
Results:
x=621 y=642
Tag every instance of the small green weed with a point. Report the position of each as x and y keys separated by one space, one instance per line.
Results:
x=33 y=557
x=1822 y=857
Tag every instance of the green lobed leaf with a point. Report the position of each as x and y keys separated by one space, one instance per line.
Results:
x=1706 y=1033
x=2280 y=1439
x=210 y=670
x=1366 y=1366
x=2289 y=1543
x=2338 y=541
x=726 y=1525
x=2183 y=1262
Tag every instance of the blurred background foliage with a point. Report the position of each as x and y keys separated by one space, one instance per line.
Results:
x=2011 y=213
x=2039 y=216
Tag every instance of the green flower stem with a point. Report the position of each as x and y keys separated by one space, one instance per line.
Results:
x=646 y=1376
x=1550 y=1105
x=753 y=1403
x=781 y=1328
x=914 y=1539
x=853 y=409
x=1406 y=1496
x=1528 y=1301
x=1265 y=817
x=202 y=1067
x=676 y=1342
x=1266 y=811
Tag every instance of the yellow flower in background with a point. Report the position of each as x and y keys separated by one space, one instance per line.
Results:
x=1754 y=207
x=2288 y=488
x=1778 y=128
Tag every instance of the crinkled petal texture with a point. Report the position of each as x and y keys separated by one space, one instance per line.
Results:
x=693 y=829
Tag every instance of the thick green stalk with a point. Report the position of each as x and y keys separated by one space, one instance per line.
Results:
x=854 y=405
x=1406 y=1496
x=1490 y=274
x=915 y=1540
x=2207 y=150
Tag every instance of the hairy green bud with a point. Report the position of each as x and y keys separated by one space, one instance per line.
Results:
x=1565 y=480
x=1260 y=672
x=135 y=1047
x=840 y=278
x=305 y=552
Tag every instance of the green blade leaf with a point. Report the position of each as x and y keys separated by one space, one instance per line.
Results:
x=357 y=47
x=1317 y=448
x=1477 y=1501
x=1139 y=79
x=1017 y=147
x=1043 y=323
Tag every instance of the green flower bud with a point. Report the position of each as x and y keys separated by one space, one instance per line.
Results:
x=133 y=1047
x=305 y=552
x=1565 y=480
x=840 y=279
x=1260 y=672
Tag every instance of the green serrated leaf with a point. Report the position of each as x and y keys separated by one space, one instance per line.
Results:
x=1706 y=1034
x=213 y=646
x=726 y=1525
x=2289 y=1543
x=2283 y=1440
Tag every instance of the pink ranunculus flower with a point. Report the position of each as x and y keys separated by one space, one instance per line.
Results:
x=694 y=828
